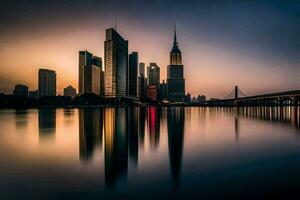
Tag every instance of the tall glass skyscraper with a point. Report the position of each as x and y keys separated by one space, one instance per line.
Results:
x=47 y=82
x=175 y=77
x=85 y=63
x=132 y=74
x=116 y=64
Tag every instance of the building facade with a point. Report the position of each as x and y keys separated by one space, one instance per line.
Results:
x=96 y=75
x=116 y=64
x=152 y=92
x=153 y=73
x=175 y=74
x=85 y=66
x=142 y=69
x=90 y=70
x=21 y=90
x=132 y=73
x=47 y=82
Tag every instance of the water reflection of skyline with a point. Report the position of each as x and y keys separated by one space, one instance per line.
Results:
x=123 y=132
x=112 y=150
x=283 y=115
x=90 y=132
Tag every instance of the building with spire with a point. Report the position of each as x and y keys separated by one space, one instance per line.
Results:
x=175 y=75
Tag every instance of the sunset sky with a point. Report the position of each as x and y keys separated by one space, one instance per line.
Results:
x=253 y=44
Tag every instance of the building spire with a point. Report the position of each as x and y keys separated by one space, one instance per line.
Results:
x=116 y=21
x=175 y=37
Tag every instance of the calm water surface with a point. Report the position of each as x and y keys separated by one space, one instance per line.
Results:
x=210 y=153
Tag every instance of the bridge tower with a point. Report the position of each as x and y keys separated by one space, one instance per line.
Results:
x=236 y=92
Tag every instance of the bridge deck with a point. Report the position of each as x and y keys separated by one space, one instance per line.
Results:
x=270 y=95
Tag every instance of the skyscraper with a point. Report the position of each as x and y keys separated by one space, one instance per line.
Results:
x=85 y=63
x=141 y=86
x=175 y=77
x=153 y=73
x=116 y=64
x=47 y=82
x=96 y=75
x=142 y=68
x=90 y=69
x=132 y=74
x=102 y=88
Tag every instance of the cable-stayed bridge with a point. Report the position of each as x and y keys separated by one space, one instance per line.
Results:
x=238 y=98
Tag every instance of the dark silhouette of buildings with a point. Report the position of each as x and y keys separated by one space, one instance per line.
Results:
x=175 y=78
x=70 y=91
x=187 y=98
x=199 y=99
x=21 y=90
x=33 y=94
x=132 y=74
x=90 y=73
x=47 y=82
x=116 y=64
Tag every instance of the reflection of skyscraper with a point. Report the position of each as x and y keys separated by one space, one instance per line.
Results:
x=132 y=131
x=141 y=86
x=175 y=81
x=47 y=123
x=90 y=132
x=153 y=125
x=142 y=119
x=175 y=141
x=116 y=61
x=116 y=157
x=21 y=117
x=132 y=74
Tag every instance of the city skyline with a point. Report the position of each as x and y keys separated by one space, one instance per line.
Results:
x=213 y=65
